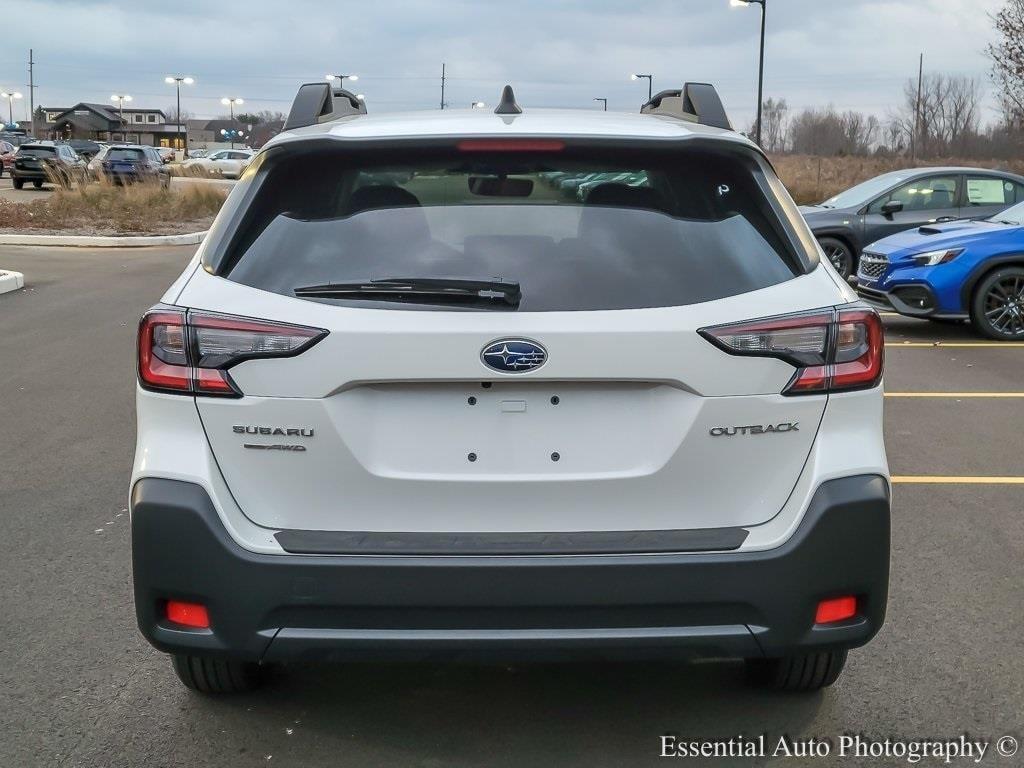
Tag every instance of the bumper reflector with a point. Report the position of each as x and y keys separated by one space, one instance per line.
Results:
x=836 y=609
x=188 y=614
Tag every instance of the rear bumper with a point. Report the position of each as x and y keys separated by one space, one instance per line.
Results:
x=342 y=607
x=29 y=174
x=128 y=177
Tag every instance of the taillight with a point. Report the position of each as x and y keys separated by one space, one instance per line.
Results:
x=833 y=350
x=191 y=352
x=163 y=351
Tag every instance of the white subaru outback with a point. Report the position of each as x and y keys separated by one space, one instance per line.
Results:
x=416 y=398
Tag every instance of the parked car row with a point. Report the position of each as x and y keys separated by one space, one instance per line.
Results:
x=42 y=162
x=943 y=244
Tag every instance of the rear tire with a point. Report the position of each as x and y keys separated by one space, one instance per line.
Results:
x=839 y=253
x=207 y=675
x=37 y=184
x=800 y=673
x=997 y=306
x=18 y=183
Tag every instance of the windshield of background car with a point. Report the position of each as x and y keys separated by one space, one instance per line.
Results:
x=1014 y=215
x=579 y=231
x=26 y=151
x=863 y=193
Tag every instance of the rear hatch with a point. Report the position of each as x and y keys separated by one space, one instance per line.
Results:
x=125 y=161
x=34 y=159
x=568 y=388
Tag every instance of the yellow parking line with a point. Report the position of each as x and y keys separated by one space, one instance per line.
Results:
x=922 y=344
x=953 y=480
x=954 y=394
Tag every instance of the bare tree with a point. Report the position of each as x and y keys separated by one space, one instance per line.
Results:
x=1007 y=56
x=271 y=116
x=172 y=115
x=827 y=132
x=947 y=115
x=774 y=113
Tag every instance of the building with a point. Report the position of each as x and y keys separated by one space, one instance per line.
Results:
x=208 y=134
x=106 y=122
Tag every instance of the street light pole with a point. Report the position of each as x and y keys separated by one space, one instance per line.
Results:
x=604 y=102
x=342 y=78
x=178 y=80
x=230 y=102
x=121 y=99
x=650 y=83
x=10 y=104
x=760 y=66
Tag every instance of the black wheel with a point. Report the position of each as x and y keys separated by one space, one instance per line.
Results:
x=839 y=253
x=18 y=183
x=802 y=673
x=38 y=184
x=997 y=307
x=216 y=675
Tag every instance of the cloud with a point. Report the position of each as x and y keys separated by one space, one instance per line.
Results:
x=854 y=54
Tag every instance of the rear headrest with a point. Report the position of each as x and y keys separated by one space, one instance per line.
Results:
x=625 y=196
x=381 y=196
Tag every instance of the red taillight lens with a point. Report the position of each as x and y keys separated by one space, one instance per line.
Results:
x=163 y=351
x=860 y=344
x=834 y=350
x=188 y=614
x=836 y=609
x=191 y=352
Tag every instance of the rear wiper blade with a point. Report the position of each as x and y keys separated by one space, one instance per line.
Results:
x=424 y=290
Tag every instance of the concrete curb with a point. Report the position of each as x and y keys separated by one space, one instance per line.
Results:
x=11 y=281
x=89 y=241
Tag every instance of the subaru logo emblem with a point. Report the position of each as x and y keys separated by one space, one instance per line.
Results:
x=513 y=355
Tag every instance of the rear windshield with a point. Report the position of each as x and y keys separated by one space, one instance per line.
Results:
x=37 y=151
x=622 y=230
x=126 y=154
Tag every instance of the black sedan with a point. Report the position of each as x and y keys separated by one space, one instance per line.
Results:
x=901 y=200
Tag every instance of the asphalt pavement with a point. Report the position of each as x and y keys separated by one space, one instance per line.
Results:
x=80 y=687
x=25 y=195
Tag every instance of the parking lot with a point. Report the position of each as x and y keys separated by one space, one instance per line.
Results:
x=26 y=195
x=82 y=688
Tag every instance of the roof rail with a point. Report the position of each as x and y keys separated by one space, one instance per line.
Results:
x=319 y=103
x=695 y=102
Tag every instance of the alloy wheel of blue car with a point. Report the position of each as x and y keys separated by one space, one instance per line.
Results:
x=1001 y=303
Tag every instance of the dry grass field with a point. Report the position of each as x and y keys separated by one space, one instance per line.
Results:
x=813 y=179
x=105 y=209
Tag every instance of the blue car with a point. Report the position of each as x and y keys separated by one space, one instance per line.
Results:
x=960 y=270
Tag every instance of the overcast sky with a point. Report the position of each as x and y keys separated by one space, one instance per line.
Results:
x=851 y=53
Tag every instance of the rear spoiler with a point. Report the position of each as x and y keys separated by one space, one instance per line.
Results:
x=317 y=103
x=694 y=102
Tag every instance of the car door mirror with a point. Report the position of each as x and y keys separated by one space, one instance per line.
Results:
x=891 y=207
